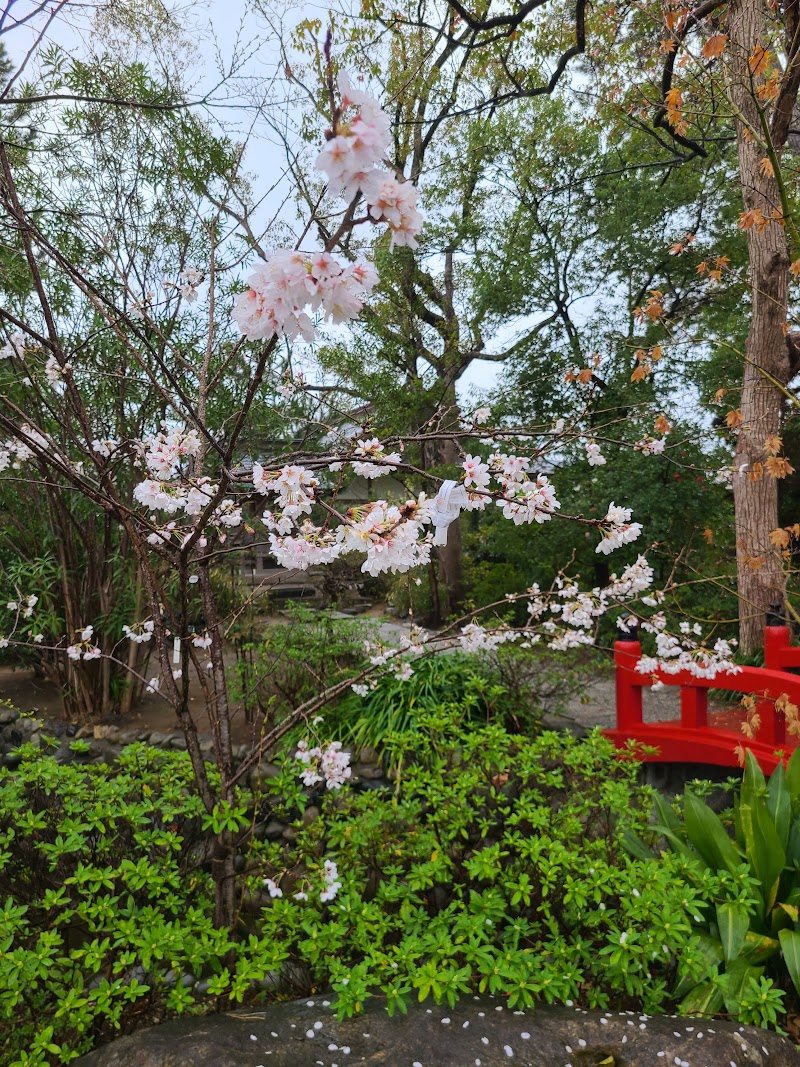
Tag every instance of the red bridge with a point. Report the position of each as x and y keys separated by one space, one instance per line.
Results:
x=700 y=736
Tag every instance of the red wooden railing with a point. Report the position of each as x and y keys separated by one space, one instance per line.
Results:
x=700 y=736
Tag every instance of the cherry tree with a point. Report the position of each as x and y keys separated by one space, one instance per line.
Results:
x=188 y=492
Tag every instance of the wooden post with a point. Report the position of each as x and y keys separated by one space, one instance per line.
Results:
x=694 y=707
x=629 y=694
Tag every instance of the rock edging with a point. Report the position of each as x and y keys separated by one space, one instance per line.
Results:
x=480 y=1031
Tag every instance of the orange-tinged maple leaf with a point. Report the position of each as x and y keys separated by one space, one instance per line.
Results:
x=756 y=472
x=795 y=267
x=667 y=45
x=748 y=730
x=741 y=755
x=673 y=102
x=749 y=219
x=780 y=538
x=767 y=168
x=708 y=533
x=784 y=705
x=769 y=89
x=662 y=425
x=734 y=418
x=755 y=563
x=773 y=444
x=759 y=58
x=585 y=375
x=640 y=372
x=714 y=46
x=656 y=352
x=779 y=466
x=720 y=395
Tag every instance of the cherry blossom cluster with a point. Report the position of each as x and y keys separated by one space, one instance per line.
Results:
x=294 y=487
x=397 y=537
x=650 y=446
x=392 y=536
x=476 y=638
x=15 y=452
x=375 y=462
x=165 y=455
x=55 y=372
x=311 y=546
x=84 y=648
x=328 y=764
x=14 y=347
x=522 y=496
x=675 y=654
x=139 y=634
x=166 y=451
x=188 y=282
x=351 y=161
x=24 y=605
x=594 y=456
x=105 y=447
x=617 y=529
x=283 y=290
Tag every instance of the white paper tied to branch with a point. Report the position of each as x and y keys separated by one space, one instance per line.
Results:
x=447 y=504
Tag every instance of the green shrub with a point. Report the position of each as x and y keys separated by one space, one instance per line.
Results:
x=750 y=928
x=287 y=664
x=105 y=899
x=496 y=864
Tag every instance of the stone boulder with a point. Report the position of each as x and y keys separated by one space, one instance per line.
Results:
x=478 y=1032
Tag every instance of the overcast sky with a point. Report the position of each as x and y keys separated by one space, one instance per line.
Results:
x=226 y=34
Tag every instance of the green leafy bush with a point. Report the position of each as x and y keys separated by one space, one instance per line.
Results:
x=286 y=664
x=496 y=864
x=105 y=902
x=750 y=928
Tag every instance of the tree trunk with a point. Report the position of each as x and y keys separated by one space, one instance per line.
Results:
x=441 y=453
x=760 y=575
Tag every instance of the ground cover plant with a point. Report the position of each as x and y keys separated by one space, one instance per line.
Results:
x=492 y=863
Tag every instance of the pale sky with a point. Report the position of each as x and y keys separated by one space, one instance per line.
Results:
x=224 y=33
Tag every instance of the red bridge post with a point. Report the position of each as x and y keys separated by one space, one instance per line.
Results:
x=629 y=684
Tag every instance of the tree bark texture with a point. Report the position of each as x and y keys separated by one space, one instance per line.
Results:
x=760 y=575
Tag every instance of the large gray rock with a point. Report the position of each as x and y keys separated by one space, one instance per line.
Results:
x=479 y=1032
